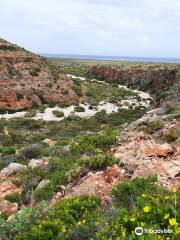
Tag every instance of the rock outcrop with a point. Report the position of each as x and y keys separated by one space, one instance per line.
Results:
x=11 y=169
x=142 y=153
x=28 y=80
x=163 y=81
x=7 y=187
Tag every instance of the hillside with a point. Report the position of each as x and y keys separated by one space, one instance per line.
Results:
x=91 y=169
x=161 y=80
x=28 y=80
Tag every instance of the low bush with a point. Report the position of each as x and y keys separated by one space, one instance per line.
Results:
x=44 y=193
x=32 y=151
x=65 y=221
x=90 y=142
x=172 y=134
x=77 y=90
x=35 y=71
x=83 y=217
x=16 y=197
x=154 y=126
x=58 y=114
x=21 y=222
x=79 y=109
x=7 y=150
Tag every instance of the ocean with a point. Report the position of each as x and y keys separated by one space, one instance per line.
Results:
x=113 y=58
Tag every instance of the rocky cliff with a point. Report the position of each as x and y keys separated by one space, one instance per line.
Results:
x=161 y=80
x=28 y=80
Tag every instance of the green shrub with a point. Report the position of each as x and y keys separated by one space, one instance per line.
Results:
x=65 y=220
x=8 y=48
x=31 y=113
x=21 y=222
x=64 y=104
x=32 y=151
x=90 y=142
x=19 y=96
x=7 y=150
x=154 y=126
x=99 y=161
x=127 y=192
x=58 y=114
x=16 y=197
x=172 y=134
x=35 y=71
x=49 y=85
x=64 y=91
x=79 y=109
x=77 y=90
x=44 y=193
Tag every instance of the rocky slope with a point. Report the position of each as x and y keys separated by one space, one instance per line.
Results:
x=28 y=80
x=162 y=80
x=148 y=146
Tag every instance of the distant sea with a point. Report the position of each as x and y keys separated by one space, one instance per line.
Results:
x=113 y=58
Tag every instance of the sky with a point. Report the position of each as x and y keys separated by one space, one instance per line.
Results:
x=144 y=28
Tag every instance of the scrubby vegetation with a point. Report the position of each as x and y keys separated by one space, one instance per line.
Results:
x=35 y=71
x=137 y=203
x=80 y=146
x=58 y=114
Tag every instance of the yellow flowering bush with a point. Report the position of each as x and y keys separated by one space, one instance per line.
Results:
x=139 y=203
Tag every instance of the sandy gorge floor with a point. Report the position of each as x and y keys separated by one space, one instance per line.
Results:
x=88 y=112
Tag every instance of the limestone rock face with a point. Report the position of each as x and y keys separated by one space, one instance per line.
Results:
x=148 y=149
x=142 y=154
x=167 y=78
x=11 y=169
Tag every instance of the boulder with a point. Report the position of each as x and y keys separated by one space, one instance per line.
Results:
x=148 y=149
x=50 y=142
x=174 y=171
x=42 y=184
x=38 y=162
x=7 y=187
x=31 y=151
x=11 y=169
x=35 y=163
x=8 y=208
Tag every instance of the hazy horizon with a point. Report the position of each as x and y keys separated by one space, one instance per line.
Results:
x=137 y=28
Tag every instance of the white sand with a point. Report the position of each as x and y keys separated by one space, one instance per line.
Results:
x=103 y=105
x=12 y=115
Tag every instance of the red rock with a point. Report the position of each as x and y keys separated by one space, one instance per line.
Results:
x=8 y=208
x=26 y=79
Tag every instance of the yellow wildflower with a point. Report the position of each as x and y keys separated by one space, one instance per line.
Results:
x=146 y=209
x=166 y=216
x=63 y=229
x=132 y=219
x=144 y=195
x=83 y=221
x=172 y=221
x=123 y=232
x=174 y=190
x=79 y=223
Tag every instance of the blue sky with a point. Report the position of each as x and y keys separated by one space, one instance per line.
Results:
x=148 y=28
